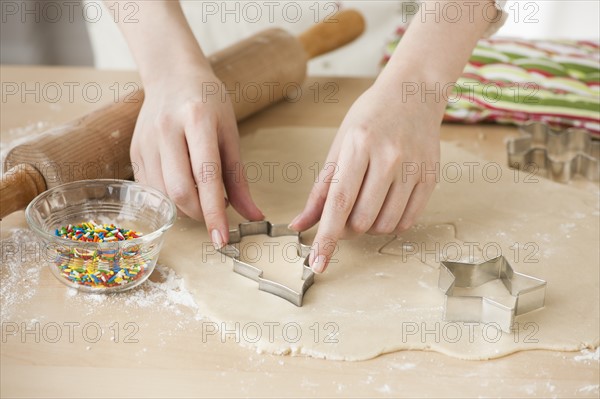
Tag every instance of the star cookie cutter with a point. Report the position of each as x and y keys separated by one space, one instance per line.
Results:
x=254 y=273
x=561 y=153
x=529 y=292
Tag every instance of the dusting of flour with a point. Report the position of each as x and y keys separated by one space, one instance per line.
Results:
x=164 y=290
x=588 y=355
x=19 y=271
x=20 y=281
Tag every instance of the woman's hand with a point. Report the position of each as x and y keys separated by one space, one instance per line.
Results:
x=374 y=179
x=387 y=148
x=186 y=144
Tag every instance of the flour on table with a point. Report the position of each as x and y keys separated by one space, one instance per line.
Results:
x=168 y=294
x=19 y=270
x=590 y=388
x=20 y=282
x=588 y=356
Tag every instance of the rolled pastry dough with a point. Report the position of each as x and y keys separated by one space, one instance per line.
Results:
x=381 y=295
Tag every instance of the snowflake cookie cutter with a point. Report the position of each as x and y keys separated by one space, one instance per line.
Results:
x=529 y=292
x=561 y=153
x=254 y=273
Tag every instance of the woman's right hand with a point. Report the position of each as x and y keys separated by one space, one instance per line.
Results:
x=186 y=144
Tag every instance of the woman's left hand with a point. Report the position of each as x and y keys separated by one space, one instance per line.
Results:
x=379 y=173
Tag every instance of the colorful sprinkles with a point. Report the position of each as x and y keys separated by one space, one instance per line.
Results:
x=98 y=267
x=92 y=232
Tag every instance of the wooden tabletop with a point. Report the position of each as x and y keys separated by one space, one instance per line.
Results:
x=166 y=355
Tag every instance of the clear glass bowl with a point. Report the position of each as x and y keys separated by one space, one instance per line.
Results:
x=102 y=266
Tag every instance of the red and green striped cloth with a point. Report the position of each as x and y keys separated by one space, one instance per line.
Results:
x=515 y=81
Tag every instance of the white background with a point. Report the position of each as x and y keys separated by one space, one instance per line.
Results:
x=561 y=19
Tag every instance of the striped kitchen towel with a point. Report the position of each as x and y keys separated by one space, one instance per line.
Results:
x=514 y=81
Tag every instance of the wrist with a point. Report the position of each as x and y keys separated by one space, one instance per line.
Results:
x=155 y=73
x=415 y=85
x=162 y=42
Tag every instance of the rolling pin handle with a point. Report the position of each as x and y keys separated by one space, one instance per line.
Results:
x=19 y=185
x=332 y=33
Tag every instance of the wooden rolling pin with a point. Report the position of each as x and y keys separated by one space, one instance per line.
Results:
x=97 y=145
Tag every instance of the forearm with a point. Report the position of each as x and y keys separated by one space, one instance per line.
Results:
x=160 y=38
x=436 y=47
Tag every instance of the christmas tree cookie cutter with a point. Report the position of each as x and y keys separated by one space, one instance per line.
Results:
x=529 y=292
x=561 y=153
x=256 y=274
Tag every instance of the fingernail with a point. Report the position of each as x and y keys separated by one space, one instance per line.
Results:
x=217 y=239
x=290 y=226
x=319 y=264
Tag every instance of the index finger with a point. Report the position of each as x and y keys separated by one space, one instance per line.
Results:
x=353 y=162
x=206 y=165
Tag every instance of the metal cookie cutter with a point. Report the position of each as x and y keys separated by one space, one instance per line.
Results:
x=254 y=273
x=562 y=153
x=529 y=292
